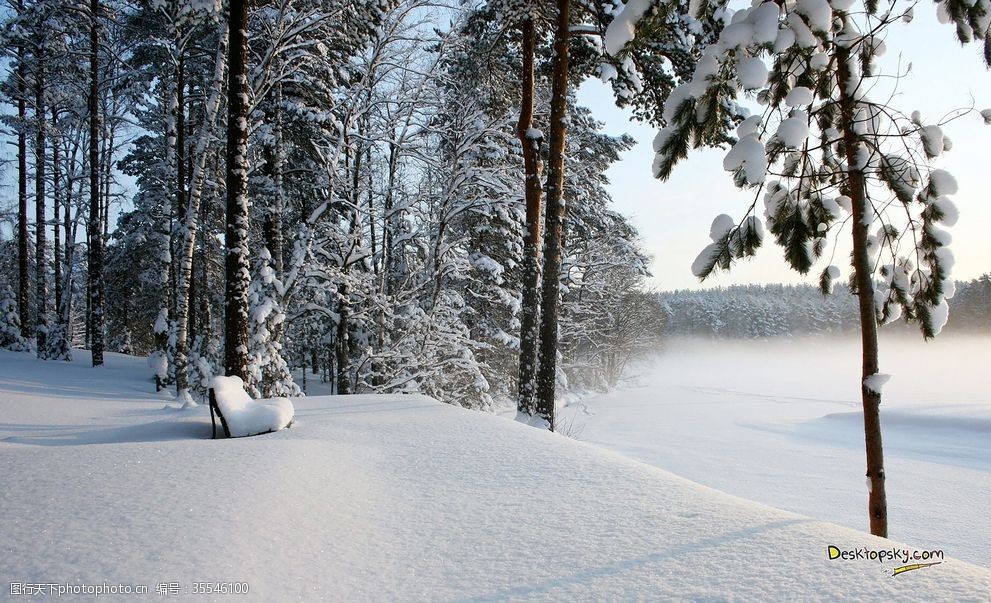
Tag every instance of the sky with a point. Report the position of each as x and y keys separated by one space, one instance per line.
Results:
x=673 y=217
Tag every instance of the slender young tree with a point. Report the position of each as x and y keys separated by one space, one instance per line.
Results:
x=554 y=218
x=237 y=271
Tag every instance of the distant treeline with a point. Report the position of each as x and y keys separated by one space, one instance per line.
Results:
x=756 y=311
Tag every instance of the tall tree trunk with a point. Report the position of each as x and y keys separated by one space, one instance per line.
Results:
x=94 y=232
x=56 y=197
x=877 y=499
x=556 y=205
x=40 y=239
x=23 y=284
x=237 y=272
x=530 y=320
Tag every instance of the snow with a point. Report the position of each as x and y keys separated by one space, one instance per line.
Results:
x=161 y=322
x=846 y=203
x=784 y=40
x=747 y=154
x=798 y=96
x=245 y=416
x=748 y=126
x=944 y=182
x=752 y=73
x=949 y=210
x=780 y=422
x=396 y=498
x=721 y=225
x=875 y=383
x=735 y=35
x=793 y=131
x=938 y=317
x=932 y=140
x=818 y=13
x=765 y=22
x=622 y=29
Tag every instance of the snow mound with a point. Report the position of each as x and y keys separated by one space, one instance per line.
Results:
x=393 y=498
x=245 y=416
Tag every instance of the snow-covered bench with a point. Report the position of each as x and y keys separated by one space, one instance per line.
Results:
x=240 y=415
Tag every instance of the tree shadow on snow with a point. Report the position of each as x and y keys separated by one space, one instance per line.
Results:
x=156 y=431
x=591 y=574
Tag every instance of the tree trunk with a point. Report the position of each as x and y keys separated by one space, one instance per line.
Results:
x=23 y=284
x=341 y=341
x=40 y=222
x=530 y=320
x=237 y=272
x=877 y=499
x=556 y=205
x=94 y=232
x=56 y=236
x=272 y=227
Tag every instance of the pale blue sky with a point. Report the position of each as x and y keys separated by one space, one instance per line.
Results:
x=674 y=216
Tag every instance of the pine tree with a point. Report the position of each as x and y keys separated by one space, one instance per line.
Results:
x=10 y=328
x=269 y=372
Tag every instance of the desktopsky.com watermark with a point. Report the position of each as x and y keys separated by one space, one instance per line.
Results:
x=909 y=559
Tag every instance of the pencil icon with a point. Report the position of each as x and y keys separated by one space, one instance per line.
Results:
x=914 y=566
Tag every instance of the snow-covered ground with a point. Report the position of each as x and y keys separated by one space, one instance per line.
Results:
x=779 y=422
x=392 y=498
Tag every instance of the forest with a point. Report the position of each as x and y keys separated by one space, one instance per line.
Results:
x=365 y=190
x=383 y=227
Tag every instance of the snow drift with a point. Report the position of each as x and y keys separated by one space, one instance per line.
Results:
x=394 y=498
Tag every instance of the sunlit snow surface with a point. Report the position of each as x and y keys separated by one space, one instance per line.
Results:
x=780 y=422
x=391 y=498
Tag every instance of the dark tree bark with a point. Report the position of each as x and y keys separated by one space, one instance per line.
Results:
x=554 y=218
x=341 y=341
x=530 y=320
x=56 y=197
x=23 y=285
x=877 y=500
x=94 y=231
x=237 y=271
x=272 y=226
x=40 y=222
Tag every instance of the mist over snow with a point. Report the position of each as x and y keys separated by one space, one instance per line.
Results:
x=779 y=421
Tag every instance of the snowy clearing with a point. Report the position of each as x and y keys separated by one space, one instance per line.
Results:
x=387 y=498
x=779 y=422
